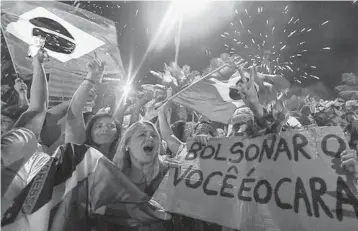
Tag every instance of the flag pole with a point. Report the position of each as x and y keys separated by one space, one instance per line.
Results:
x=192 y=84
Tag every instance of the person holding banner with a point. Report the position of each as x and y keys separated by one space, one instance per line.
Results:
x=349 y=162
x=242 y=123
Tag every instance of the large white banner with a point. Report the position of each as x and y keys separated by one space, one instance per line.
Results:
x=292 y=181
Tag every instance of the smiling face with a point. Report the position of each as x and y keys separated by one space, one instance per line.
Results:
x=144 y=144
x=104 y=131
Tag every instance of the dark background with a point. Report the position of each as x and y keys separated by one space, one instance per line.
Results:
x=341 y=34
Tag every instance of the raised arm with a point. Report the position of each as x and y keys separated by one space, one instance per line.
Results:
x=75 y=125
x=60 y=109
x=167 y=134
x=54 y=123
x=34 y=117
x=247 y=89
x=121 y=108
x=140 y=102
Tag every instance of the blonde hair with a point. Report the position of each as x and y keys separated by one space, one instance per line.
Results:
x=122 y=157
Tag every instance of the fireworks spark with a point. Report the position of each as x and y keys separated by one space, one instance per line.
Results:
x=313 y=76
x=259 y=38
x=324 y=23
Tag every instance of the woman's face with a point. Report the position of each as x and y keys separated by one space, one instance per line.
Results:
x=104 y=131
x=6 y=124
x=144 y=144
x=20 y=86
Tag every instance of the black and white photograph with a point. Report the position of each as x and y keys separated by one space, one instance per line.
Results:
x=179 y=115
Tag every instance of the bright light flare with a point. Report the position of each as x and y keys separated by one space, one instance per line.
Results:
x=191 y=8
x=126 y=89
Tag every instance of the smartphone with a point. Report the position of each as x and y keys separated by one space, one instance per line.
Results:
x=38 y=43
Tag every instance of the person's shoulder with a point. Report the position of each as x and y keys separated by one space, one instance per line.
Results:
x=18 y=136
x=18 y=144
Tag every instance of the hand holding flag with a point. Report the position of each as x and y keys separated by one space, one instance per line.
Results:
x=350 y=161
x=41 y=56
x=144 y=97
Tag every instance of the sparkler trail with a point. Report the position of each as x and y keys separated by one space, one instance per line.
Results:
x=274 y=41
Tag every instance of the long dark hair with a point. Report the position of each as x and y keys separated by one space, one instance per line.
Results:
x=90 y=141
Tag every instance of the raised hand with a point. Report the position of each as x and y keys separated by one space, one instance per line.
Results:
x=144 y=97
x=231 y=66
x=95 y=69
x=247 y=88
x=41 y=56
x=349 y=162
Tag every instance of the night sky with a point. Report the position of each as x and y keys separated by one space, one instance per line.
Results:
x=137 y=21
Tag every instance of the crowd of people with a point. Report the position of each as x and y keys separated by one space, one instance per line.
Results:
x=138 y=152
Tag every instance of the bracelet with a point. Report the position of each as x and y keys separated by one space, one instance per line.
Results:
x=90 y=80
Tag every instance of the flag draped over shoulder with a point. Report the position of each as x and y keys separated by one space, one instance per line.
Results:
x=72 y=189
x=212 y=98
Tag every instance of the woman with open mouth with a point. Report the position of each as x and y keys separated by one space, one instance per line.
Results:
x=138 y=157
x=137 y=154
